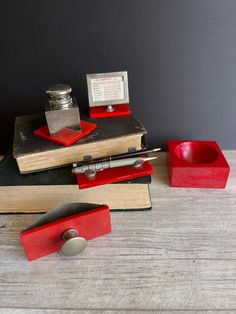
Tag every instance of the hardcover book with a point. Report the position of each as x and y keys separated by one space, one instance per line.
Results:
x=112 y=136
x=40 y=191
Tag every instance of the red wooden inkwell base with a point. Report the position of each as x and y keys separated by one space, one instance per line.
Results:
x=48 y=238
x=66 y=136
x=119 y=110
x=114 y=175
x=197 y=164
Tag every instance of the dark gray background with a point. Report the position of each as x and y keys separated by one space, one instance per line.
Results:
x=180 y=56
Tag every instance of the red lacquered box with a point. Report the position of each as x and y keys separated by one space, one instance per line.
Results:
x=197 y=164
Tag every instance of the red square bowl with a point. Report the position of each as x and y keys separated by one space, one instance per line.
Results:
x=197 y=164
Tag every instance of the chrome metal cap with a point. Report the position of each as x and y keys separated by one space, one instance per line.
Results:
x=59 y=96
x=58 y=90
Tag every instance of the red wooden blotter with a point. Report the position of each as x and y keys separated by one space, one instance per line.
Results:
x=119 y=110
x=47 y=238
x=114 y=175
x=66 y=136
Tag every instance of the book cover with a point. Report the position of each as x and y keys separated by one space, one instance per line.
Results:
x=112 y=136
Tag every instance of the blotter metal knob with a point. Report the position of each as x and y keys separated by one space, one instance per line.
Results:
x=62 y=110
x=73 y=244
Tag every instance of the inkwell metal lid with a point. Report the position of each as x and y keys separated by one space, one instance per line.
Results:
x=59 y=97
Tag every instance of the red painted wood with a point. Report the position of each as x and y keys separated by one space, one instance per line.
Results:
x=47 y=239
x=115 y=175
x=66 y=136
x=197 y=164
x=100 y=112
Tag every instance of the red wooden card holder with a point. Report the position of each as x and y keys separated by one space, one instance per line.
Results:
x=66 y=136
x=48 y=238
x=114 y=175
x=197 y=164
x=101 y=112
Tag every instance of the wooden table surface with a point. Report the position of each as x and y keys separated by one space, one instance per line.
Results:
x=180 y=257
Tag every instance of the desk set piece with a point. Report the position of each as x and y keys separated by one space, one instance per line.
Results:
x=64 y=126
x=112 y=169
x=66 y=229
x=197 y=164
x=108 y=94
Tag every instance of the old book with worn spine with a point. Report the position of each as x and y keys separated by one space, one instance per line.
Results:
x=112 y=136
x=41 y=191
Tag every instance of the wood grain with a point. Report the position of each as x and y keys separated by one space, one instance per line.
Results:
x=58 y=311
x=178 y=258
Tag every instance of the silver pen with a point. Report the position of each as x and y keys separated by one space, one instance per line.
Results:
x=119 y=156
x=98 y=166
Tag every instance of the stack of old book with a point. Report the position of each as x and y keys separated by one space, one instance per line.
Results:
x=37 y=176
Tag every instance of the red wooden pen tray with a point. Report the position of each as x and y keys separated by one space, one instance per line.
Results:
x=115 y=175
